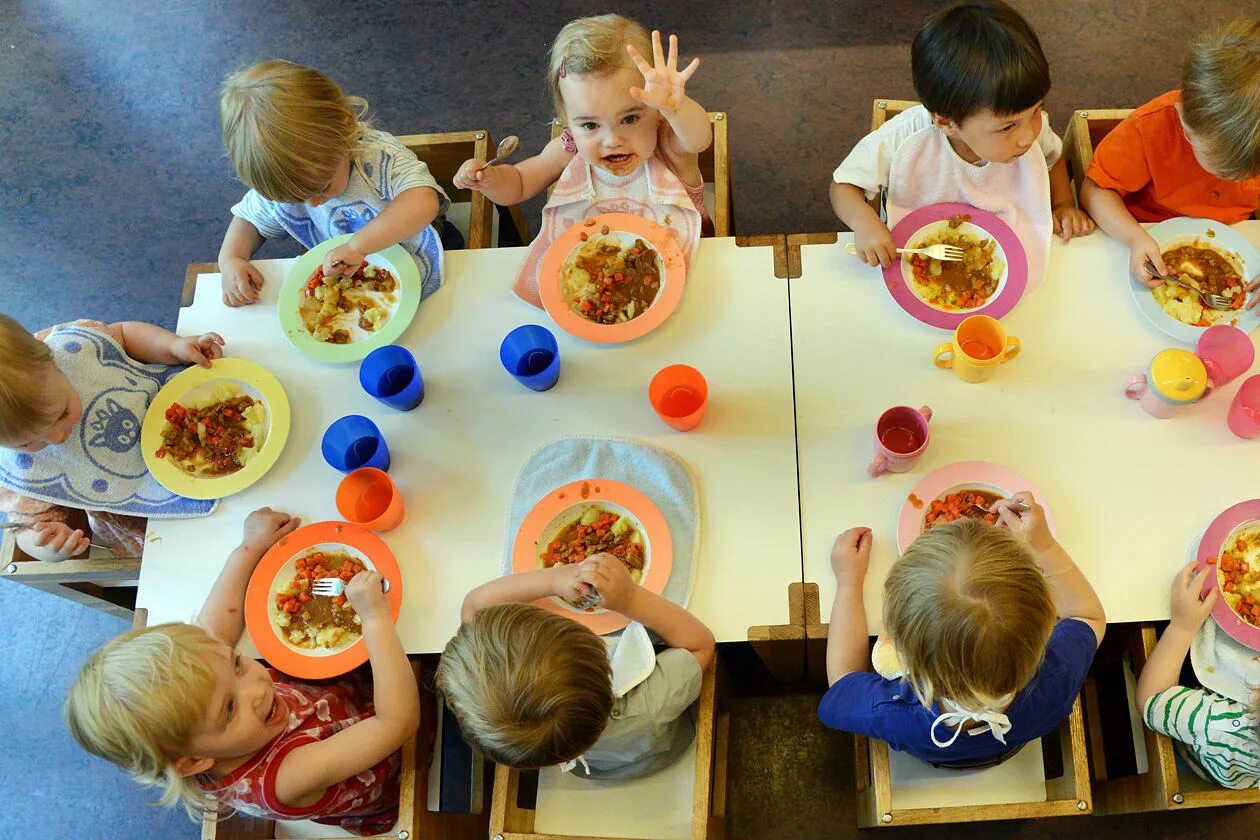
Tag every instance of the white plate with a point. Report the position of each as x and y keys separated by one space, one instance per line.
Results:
x=969 y=229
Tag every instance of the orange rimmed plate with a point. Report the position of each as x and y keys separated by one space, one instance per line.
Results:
x=277 y=568
x=561 y=507
x=624 y=227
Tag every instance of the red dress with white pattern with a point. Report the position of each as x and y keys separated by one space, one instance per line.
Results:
x=364 y=804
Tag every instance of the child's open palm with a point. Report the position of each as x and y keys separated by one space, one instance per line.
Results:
x=664 y=85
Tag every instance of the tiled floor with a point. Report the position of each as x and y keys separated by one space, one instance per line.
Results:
x=113 y=178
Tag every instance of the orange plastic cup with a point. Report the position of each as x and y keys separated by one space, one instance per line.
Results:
x=368 y=497
x=680 y=394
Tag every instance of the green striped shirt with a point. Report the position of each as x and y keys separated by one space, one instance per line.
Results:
x=1219 y=734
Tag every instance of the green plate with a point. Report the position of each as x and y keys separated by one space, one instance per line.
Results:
x=394 y=258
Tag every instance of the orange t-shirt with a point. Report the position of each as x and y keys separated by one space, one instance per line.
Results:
x=1149 y=161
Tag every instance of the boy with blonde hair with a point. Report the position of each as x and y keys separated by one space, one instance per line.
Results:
x=531 y=688
x=1190 y=152
x=317 y=169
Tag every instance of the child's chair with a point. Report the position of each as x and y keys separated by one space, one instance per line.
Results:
x=100 y=580
x=686 y=801
x=1047 y=778
x=1084 y=132
x=1161 y=782
x=715 y=168
x=470 y=211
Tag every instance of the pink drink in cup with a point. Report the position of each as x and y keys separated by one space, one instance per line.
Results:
x=901 y=436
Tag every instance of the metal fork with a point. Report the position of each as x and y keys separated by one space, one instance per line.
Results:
x=945 y=253
x=1210 y=300
x=332 y=587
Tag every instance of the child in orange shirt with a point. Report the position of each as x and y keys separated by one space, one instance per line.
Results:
x=1190 y=152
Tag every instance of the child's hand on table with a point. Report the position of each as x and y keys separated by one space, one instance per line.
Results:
x=1189 y=607
x=474 y=175
x=611 y=578
x=342 y=260
x=874 y=243
x=1029 y=524
x=198 y=349
x=264 y=527
x=241 y=282
x=1071 y=221
x=59 y=538
x=664 y=85
x=850 y=556
x=1251 y=287
x=1143 y=249
x=365 y=595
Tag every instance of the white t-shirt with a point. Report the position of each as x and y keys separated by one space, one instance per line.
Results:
x=380 y=170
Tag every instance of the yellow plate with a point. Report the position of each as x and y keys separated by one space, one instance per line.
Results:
x=248 y=377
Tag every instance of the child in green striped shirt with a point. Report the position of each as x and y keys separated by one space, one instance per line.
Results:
x=1215 y=735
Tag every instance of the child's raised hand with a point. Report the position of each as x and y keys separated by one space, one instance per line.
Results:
x=198 y=349
x=1190 y=607
x=241 y=282
x=874 y=243
x=1143 y=249
x=365 y=595
x=342 y=260
x=265 y=526
x=1029 y=524
x=1070 y=221
x=611 y=578
x=851 y=554
x=59 y=538
x=664 y=85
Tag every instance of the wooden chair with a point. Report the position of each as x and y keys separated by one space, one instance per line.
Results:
x=443 y=153
x=917 y=795
x=610 y=804
x=1161 y=783
x=1084 y=132
x=715 y=168
x=104 y=583
x=883 y=110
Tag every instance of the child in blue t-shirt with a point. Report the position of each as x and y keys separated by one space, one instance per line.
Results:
x=994 y=629
x=316 y=169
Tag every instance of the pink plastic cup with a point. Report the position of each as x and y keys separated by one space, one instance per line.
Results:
x=901 y=436
x=1244 y=411
x=1226 y=352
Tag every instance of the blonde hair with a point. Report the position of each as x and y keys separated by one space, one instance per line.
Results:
x=24 y=370
x=530 y=688
x=287 y=127
x=594 y=45
x=138 y=699
x=969 y=612
x=1220 y=97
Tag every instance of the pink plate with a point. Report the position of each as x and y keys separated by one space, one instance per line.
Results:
x=1009 y=291
x=981 y=475
x=1211 y=545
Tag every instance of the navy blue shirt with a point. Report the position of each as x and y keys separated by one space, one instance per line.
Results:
x=870 y=705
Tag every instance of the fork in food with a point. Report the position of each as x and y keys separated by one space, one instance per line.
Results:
x=945 y=253
x=1210 y=300
x=332 y=587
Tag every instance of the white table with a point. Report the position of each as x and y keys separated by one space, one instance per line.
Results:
x=456 y=456
x=1130 y=493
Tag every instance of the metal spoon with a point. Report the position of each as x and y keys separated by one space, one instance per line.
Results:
x=504 y=150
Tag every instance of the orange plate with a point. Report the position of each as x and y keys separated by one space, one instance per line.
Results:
x=596 y=491
x=260 y=597
x=673 y=278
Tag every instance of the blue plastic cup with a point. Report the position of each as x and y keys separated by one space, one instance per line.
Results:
x=354 y=441
x=531 y=355
x=391 y=375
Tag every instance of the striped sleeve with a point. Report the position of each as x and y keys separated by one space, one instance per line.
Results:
x=1219 y=733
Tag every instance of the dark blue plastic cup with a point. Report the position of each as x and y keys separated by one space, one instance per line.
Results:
x=392 y=376
x=353 y=442
x=531 y=355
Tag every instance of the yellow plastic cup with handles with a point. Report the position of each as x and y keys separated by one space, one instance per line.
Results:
x=979 y=346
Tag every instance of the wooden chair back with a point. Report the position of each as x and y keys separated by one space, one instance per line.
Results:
x=508 y=819
x=1085 y=131
x=1067 y=794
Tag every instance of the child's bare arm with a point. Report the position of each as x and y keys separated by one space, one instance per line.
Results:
x=507 y=184
x=561 y=580
x=241 y=281
x=1108 y=210
x=404 y=217
x=847 y=635
x=306 y=773
x=1069 y=220
x=871 y=236
x=223 y=613
x=1189 y=611
x=151 y=344
x=679 y=628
